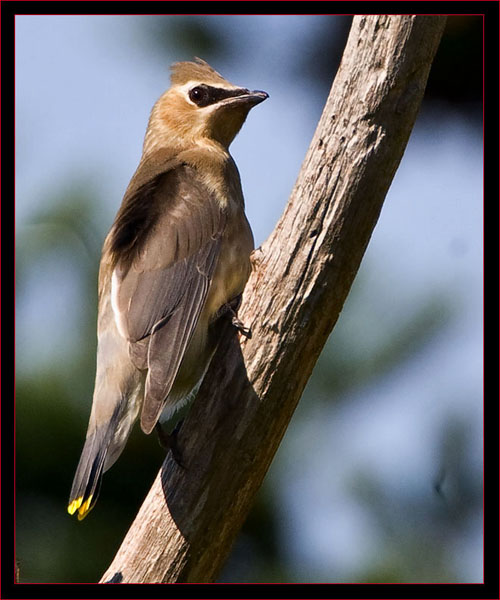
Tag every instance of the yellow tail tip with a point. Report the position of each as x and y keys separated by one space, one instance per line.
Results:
x=84 y=509
x=79 y=505
x=75 y=505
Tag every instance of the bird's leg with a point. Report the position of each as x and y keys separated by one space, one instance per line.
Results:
x=231 y=307
x=168 y=441
x=246 y=331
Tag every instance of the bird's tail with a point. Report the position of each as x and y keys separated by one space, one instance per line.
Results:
x=88 y=476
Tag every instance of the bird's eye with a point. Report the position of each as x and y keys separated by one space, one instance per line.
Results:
x=199 y=95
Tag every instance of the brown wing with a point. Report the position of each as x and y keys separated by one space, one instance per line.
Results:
x=160 y=284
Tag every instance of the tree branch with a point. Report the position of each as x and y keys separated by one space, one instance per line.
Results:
x=301 y=277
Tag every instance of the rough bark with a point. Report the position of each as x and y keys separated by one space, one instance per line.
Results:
x=302 y=275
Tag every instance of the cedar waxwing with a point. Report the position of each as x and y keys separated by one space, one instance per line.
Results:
x=176 y=259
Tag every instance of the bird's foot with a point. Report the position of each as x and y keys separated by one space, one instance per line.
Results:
x=231 y=308
x=246 y=331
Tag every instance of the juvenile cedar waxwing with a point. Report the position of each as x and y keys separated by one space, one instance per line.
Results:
x=175 y=261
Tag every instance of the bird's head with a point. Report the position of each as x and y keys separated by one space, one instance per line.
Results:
x=199 y=106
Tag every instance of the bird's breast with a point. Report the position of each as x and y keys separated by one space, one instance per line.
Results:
x=233 y=267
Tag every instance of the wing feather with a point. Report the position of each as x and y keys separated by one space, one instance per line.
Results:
x=164 y=276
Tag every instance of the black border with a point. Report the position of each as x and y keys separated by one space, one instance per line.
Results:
x=490 y=589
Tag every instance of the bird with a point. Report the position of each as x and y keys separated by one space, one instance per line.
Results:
x=175 y=262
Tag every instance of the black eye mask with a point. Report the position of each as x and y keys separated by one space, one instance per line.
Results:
x=204 y=95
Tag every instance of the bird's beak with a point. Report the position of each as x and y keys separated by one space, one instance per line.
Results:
x=257 y=96
x=247 y=97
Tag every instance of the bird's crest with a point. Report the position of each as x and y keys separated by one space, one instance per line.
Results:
x=197 y=70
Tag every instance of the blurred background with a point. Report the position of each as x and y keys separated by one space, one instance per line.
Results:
x=379 y=477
